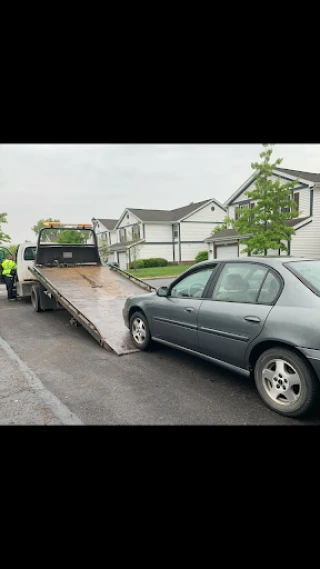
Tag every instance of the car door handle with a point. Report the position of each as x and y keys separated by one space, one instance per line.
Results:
x=189 y=309
x=252 y=319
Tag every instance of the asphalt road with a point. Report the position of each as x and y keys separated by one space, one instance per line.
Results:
x=52 y=373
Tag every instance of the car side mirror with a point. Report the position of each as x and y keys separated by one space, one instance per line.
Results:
x=162 y=291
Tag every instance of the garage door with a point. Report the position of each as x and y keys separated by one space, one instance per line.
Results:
x=226 y=251
x=122 y=260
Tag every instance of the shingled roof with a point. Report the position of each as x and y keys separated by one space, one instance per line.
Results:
x=311 y=176
x=169 y=215
x=108 y=223
x=229 y=233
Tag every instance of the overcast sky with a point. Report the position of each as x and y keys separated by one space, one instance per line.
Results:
x=75 y=182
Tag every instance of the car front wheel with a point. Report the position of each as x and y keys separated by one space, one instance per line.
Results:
x=140 y=332
x=286 y=383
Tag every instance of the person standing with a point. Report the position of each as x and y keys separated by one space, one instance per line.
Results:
x=9 y=268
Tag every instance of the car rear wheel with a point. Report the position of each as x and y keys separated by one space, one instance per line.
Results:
x=286 y=383
x=140 y=332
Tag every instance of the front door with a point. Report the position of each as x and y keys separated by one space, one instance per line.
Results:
x=238 y=307
x=122 y=260
x=175 y=317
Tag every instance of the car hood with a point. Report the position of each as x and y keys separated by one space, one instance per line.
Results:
x=141 y=296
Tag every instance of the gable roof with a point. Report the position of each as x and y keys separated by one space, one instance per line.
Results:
x=233 y=233
x=170 y=215
x=124 y=245
x=311 y=176
x=108 y=223
x=151 y=214
x=181 y=212
x=307 y=176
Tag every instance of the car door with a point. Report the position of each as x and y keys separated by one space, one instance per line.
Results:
x=236 y=310
x=174 y=318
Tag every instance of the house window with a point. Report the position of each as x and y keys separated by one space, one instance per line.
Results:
x=296 y=199
x=212 y=208
x=175 y=231
x=135 y=232
x=287 y=208
x=251 y=207
x=123 y=235
x=240 y=207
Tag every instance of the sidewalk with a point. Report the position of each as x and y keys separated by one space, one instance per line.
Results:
x=24 y=400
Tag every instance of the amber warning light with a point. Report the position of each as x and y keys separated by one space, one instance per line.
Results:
x=60 y=224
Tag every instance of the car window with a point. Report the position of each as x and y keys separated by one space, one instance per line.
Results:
x=30 y=253
x=239 y=282
x=270 y=289
x=308 y=272
x=193 y=285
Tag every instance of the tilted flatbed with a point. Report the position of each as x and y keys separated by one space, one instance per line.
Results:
x=71 y=276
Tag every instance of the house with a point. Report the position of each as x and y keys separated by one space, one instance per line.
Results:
x=305 y=242
x=176 y=235
x=104 y=229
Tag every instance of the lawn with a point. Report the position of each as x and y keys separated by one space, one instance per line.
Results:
x=161 y=272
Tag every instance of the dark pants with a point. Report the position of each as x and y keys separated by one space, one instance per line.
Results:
x=9 y=285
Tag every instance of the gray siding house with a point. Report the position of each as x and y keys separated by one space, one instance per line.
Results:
x=305 y=242
x=176 y=235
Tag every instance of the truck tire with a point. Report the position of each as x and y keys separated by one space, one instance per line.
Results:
x=35 y=298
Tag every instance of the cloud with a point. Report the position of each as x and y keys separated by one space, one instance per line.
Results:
x=81 y=181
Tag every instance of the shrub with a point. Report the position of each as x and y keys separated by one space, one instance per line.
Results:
x=157 y=262
x=137 y=264
x=202 y=256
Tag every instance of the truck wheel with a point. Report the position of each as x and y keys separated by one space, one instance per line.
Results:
x=140 y=332
x=35 y=298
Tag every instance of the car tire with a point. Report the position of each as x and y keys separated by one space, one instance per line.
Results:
x=286 y=382
x=140 y=332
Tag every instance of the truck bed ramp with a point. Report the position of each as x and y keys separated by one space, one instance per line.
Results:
x=95 y=296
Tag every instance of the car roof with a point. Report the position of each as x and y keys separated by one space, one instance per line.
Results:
x=272 y=261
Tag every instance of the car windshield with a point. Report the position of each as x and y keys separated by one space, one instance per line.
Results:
x=308 y=272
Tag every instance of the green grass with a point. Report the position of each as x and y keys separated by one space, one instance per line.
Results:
x=161 y=272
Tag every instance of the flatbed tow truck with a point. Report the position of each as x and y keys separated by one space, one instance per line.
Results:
x=72 y=276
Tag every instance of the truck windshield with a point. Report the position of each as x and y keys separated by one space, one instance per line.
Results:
x=308 y=272
x=30 y=253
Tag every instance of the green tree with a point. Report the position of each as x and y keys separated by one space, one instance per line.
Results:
x=103 y=249
x=273 y=205
x=13 y=249
x=72 y=236
x=4 y=236
x=48 y=234
x=222 y=227
x=135 y=253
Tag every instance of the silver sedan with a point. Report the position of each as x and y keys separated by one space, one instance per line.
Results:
x=254 y=315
